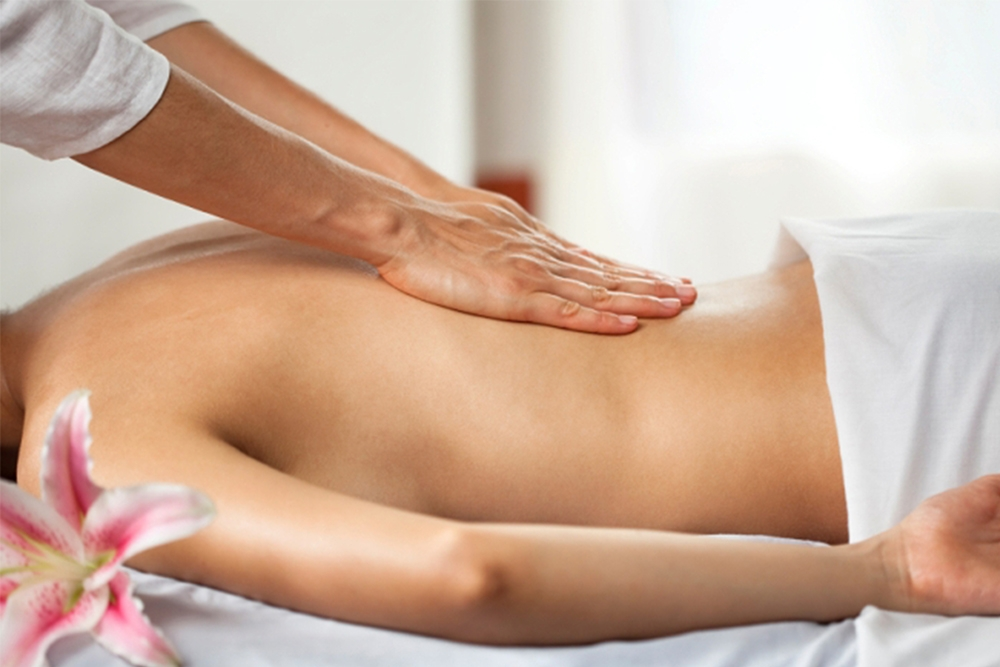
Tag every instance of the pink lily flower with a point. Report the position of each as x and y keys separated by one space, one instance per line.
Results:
x=60 y=560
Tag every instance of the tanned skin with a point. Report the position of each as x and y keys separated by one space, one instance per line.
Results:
x=378 y=459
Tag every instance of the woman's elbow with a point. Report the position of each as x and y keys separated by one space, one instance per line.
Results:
x=478 y=585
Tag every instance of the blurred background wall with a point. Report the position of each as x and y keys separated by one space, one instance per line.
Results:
x=671 y=133
x=675 y=133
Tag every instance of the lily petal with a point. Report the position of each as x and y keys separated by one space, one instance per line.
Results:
x=66 y=482
x=125 y=631
x=12 y=554
x=38 y=615
x=8 y=585
x=12 y=563
x=127 y=520
x=13 y=572
x=27 y=526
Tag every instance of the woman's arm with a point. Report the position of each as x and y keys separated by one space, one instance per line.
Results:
x=569 y=585
x=293 y=544
x=578 y=585
x=206 y=53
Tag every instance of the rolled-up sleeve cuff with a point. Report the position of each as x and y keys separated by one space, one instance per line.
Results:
x=73 y=81
x=148 y=18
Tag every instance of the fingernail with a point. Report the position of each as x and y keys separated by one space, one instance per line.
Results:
x=686 y=291
x=628 y=319
x=671 y=302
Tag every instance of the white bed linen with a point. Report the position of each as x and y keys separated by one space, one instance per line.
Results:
x=215 y=629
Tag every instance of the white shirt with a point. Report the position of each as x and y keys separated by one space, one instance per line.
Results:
x=72 y=79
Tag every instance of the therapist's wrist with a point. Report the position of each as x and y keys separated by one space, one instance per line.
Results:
x=372 y=222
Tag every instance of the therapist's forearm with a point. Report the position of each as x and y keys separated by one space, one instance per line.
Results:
x=200 y=150
x=223 y=65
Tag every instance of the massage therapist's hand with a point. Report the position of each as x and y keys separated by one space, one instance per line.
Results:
x=945 y=556
x=481 y=253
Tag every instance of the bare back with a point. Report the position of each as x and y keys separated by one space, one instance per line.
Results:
x=716 y=421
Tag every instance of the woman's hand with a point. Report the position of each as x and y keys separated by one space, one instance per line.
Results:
x=947 y=552
x=481 y=253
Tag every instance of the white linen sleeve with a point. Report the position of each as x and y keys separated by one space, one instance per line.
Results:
x=71 y=80
x=148 y=18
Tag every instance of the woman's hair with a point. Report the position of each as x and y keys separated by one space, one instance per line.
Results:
x=8 y=450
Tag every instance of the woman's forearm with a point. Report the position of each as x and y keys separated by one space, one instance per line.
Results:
x=223 y=65
x=567 y=585
x=199 y=149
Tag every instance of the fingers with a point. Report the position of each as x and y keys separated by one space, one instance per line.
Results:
x=607 y=299
x=614 y=280
x=544 y=308
x=594 y=309
x=580 y=264
x=601 y=298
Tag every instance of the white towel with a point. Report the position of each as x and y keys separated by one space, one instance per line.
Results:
x=911 y=324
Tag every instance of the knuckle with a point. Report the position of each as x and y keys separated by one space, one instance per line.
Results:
x=509 y=205
x=612 y=281
x=664 y=289
x=569 y=309
x=600 y=294
x=510 y=283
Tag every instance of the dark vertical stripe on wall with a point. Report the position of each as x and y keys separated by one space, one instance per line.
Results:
x=517 y=186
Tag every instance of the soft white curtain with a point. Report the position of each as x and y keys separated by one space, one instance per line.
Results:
x=678 y=131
